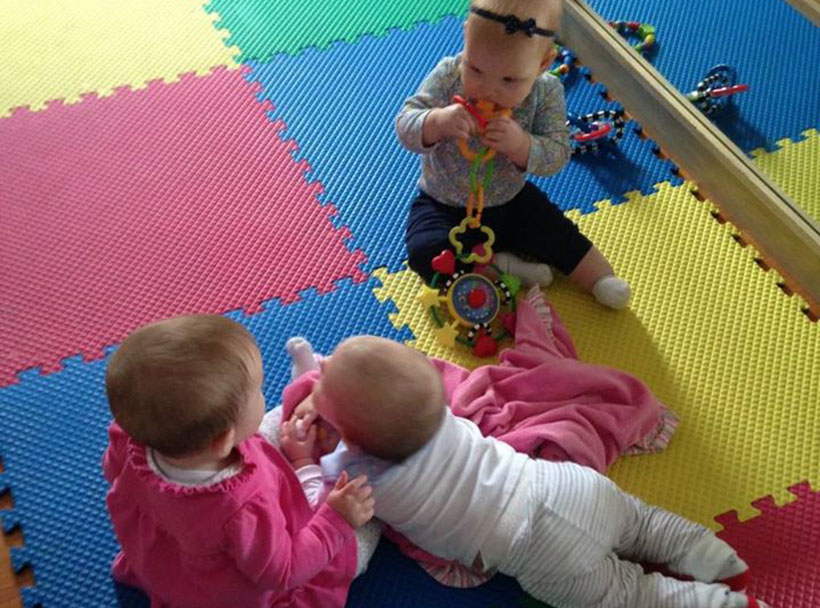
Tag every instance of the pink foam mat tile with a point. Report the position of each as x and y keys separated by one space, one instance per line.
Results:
x=782 y=548
x=173 y=199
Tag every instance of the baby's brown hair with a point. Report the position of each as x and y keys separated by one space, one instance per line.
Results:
x=385 y=397
x=178 y=384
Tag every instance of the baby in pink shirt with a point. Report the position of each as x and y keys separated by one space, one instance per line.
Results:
x=207 y=511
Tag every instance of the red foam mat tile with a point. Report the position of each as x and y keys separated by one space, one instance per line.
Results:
x=782 y=548
x=172 y=199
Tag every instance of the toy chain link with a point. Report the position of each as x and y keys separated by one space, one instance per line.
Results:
x=475 y=202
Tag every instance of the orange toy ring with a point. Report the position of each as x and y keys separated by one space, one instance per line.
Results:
x=464 y=148
x=483 y=112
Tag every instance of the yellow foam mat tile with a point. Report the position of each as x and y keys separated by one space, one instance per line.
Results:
x=795 y=167
x=712 y=336
x=61 y=50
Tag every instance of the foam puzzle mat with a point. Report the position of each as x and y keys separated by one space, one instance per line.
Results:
x=167 y=200
x=228 y=157
x=262 y=32
x=65 y=50
x=794 y=528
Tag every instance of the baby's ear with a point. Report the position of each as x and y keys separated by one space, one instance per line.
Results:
x=549 y=56
x=224 y=443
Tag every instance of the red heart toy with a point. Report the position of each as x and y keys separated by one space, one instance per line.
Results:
x=484 y=346
x=508 y=320
x=445 y=262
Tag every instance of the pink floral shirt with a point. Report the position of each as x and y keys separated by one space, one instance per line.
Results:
x=250 y=540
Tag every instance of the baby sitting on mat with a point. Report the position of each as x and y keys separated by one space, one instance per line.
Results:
x=207 y=511
x=568 y=534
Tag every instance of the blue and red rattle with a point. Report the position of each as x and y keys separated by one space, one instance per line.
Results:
x=589 y=132
x=716 y=91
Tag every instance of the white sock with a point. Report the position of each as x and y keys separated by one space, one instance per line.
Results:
x=612 y=291
x=710 y=559
x=301 y=352
x=739 y=600
x=531 y=273
x=719 y=596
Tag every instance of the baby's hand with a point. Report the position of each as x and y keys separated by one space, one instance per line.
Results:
x=298 y=447
x=506 y=136
x=327 y=437
x=352 y=500
x=305 y=415
x=453 y=121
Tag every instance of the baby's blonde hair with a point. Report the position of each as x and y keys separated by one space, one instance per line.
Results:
x=386 y=398
x=178 y=384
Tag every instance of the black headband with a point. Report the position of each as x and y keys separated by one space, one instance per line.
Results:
x=513 y=24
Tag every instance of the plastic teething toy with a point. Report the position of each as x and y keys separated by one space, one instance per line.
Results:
x=465 y=305
x=589 y=131
x=635 y=29
x=716 y=91
x=483 y=112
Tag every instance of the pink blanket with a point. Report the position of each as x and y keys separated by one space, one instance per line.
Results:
x=544 y=402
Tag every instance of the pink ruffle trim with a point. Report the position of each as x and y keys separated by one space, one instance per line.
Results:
x=138 y=458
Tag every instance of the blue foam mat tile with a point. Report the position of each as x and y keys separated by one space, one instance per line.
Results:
x=339 y=106
x=129 y=597
x=774 y=48
x=31 y=598
x=20 y=558
x=10 y=519
x=55 y=432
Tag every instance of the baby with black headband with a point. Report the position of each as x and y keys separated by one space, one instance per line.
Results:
x=508 y=46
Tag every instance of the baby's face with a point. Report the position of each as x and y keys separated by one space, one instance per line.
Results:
x=498 y=70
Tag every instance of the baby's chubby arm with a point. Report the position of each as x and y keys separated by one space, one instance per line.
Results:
x=262 y=543
x=549 y=146
x=259 y=541
x=509 y=138
x=304 y=438
x=545 y=149
x=305 y=416
x=430 y=115
x=297 y=439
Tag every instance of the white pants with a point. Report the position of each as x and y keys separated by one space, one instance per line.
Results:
x=581 y=532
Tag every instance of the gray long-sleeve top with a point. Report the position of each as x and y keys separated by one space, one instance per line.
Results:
x=445 y=172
